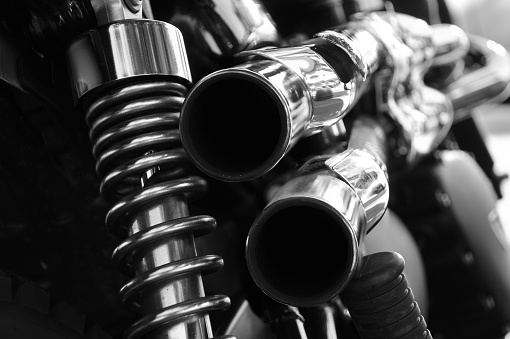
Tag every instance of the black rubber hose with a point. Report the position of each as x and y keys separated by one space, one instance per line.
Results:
x=381 y=302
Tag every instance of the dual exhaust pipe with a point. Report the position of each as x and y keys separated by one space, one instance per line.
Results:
x=238 y=123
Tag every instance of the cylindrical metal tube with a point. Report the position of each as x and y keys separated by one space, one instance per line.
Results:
x=185 y=287
x=321 y=321
x=281 y=94
x=123 y=50
x=286 y=94
x=303 y=248
x=363 y=167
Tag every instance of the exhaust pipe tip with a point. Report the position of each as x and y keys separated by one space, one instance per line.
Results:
x=302 y=250
x=234 y=126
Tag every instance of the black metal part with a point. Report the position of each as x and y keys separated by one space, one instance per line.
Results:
x=306 y=17
x=211 y=43
x=469 y=138
x=51 y=214
x=47 y=26
x=286 y=321
x=330 y=320
x=449 y=205
x=29 y=311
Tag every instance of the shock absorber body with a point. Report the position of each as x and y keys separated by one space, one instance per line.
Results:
x=130 y=78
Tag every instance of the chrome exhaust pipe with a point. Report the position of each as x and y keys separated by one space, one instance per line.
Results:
x=303 y=248
x=281 y=94
x=286 y=94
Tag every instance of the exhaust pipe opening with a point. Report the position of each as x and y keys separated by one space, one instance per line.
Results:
x=234 y=127
x=300 y=253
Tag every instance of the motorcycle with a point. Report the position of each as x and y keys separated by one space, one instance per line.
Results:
x=322 y=172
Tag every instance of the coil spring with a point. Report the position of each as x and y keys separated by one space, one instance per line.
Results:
x=134 y=131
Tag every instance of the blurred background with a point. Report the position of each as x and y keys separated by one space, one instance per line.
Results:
x=490 y=18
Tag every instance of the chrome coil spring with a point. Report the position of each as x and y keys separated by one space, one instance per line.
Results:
x=136 y=143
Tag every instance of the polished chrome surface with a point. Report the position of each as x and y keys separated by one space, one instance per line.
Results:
x=416 y=35
x=421 y=115
x=362 y=46
x=214 y=31
x=126 y=49
x=160 y=248
x=486 y=85
x=449 y=61
x=325 y=217
x=451 y=42
x=345 y=195
x=130 y=80
x=176 y=285
x=425 y=116
x=219 y=136
x=363 y=167
x=379 y=36
x=229 y=27
x=332 y=137
x=134 y=5
x=330 y=97
x=362 y=172
x=407 y=49
x=303 y=95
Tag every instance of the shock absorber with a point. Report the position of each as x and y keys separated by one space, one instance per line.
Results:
x=130 y=78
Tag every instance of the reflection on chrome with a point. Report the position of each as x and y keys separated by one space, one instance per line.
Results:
x=119 y=50
x=298 y=91
x=340 y=201
x=423 y=118
x=363 y=167
x=489 y=84
x=422 y=115
x=303 y=90
x=451 y=42
x=215 y=31
x=329 y=96
x=229 y=27
x=326 y=221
